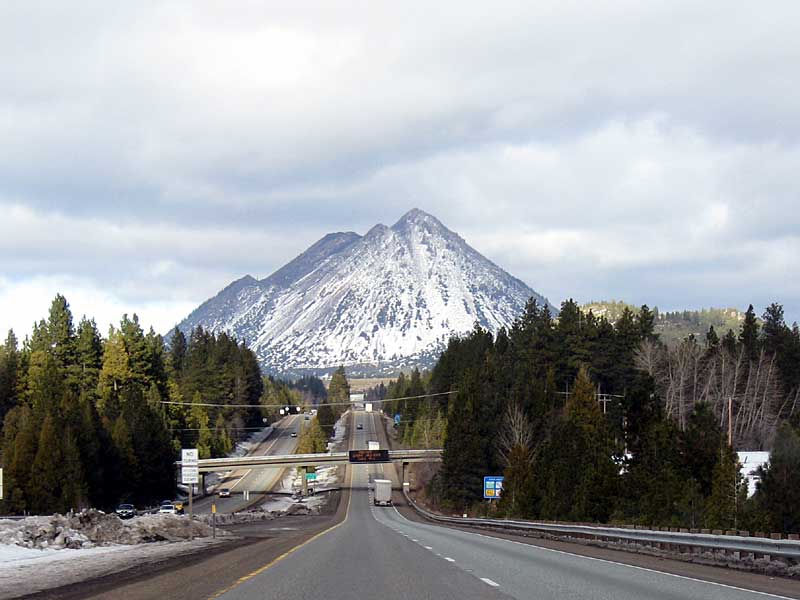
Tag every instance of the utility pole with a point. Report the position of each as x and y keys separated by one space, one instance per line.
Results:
x=730 y=421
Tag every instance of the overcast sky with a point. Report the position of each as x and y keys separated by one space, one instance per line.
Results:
x=152 y=152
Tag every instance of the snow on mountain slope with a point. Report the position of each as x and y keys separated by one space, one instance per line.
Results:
x=389 y=299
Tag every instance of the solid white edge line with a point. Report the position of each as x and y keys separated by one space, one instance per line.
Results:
x=489 y=581
x=603 y=560
x=448 y=559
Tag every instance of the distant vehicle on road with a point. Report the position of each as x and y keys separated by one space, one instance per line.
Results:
x=383 y=492
x=224 y=493
x=359 y=426
x=126 y=511
x=294 y=434
x=373 y=445
x=178 y=504
x=167 y=509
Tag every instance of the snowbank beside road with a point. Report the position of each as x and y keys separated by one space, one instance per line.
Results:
x=91 y=528
x=24 y=571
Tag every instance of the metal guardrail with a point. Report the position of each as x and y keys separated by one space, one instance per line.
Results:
x=299 y=460
x=728 y=543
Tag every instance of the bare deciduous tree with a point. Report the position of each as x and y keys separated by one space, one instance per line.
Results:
x=516 y=433
x=689 y=374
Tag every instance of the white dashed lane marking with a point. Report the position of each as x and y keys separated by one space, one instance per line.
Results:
x=490 y=582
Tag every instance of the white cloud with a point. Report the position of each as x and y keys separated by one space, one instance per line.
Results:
x=22 y=303
x=156 y=151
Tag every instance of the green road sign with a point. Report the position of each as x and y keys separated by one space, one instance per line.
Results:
x=311 y=476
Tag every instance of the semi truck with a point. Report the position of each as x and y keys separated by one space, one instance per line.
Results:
x=383 y=492
x=372 y=445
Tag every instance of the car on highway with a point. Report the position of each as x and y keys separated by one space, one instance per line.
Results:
x=359 y=426
x=224 y=493
x=167 y=509
x=178 y=504
x=126 y=511
x=294 y=434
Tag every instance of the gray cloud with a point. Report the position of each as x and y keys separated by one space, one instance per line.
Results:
x=161 y=149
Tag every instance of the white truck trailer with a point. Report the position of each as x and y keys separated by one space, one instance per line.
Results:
x=373 y=445
x=383 y=492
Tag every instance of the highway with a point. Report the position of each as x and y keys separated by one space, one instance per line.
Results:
x=257 y=481
x=377 y=553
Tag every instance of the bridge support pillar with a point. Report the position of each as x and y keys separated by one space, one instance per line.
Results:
x=303 y=471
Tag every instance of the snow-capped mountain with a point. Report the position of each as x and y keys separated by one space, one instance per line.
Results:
x=376 y=303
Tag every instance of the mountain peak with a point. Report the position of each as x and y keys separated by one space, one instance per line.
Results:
x=418 y=218
x=377 y=303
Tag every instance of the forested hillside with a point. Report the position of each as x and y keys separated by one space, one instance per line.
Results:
x=92 y=421
x=584 y=431
x=673 y=327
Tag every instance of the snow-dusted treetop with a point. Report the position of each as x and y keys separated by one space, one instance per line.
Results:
x=388 y=299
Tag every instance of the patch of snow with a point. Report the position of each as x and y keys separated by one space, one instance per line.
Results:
x=749 y=462
x=394 y=296
x=25 y=571
x=91 y=528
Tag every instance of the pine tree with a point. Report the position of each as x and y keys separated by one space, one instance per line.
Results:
x=177 y=352
x=89 y=355
x=729 y=343
x=9 y=374
x=700 y=445
x=61 y=338
x=728 y=492
x=749 y=335
x=114 y=374
x=128 y=473
x=198 y=419
x=646 y=320
x=47 y=493
x=463 y=460
x=712 y=339
x=778 y=492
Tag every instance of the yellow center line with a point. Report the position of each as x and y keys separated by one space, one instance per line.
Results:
x=276 y=560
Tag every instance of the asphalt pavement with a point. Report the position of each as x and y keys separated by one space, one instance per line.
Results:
x=256 y=481
x=377 y=553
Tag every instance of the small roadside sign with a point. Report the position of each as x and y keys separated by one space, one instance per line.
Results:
x=492 y=486
x=190 y=475
x=189 y=457
x=190 y=472
x=311 y=476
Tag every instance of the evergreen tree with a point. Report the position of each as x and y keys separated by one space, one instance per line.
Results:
x=749 y=335
x=128 y=473
x=712 y=339
x=728 y=492
x=700 y=445
x=114 y=374
x=463 y=459
x=579 y=476
x=61 y=339
x=46 y=483
x=198 y=419
x=89 y=355
x=9 y=374
x=778 y=492
x=729 y=343
x=646 y=320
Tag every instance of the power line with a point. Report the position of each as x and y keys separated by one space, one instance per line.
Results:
x=348 y=403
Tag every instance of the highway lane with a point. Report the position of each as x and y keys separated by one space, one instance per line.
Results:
x=360 y=558
x=377 y=553
x=256 y=481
